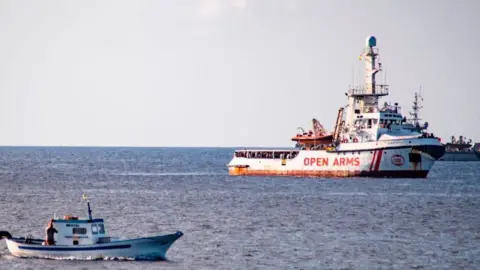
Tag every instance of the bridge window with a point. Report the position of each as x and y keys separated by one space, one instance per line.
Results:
x=94 y=229
x=79 y=230
x=101 y=228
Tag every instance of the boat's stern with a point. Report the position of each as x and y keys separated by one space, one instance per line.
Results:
x=14 y=246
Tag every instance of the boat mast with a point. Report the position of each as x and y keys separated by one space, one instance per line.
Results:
x=85 y=197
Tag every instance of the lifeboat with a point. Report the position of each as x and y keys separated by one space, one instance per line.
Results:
x=313 y=138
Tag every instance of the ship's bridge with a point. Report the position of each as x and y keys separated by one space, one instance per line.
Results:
x=369 y=126
x=382 y=119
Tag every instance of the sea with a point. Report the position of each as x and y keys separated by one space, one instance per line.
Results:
x=235 y=222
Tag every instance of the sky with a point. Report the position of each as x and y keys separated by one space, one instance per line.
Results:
x=225 y=72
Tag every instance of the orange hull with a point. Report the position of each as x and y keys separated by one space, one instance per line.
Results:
x=236 y=171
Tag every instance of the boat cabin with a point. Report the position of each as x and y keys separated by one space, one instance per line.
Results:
x=75 y=231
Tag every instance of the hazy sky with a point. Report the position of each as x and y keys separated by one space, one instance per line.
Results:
x=224 y=72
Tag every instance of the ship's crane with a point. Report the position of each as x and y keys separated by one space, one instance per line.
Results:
x=318 y=129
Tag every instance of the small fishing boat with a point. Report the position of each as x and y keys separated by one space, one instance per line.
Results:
x=87 y=239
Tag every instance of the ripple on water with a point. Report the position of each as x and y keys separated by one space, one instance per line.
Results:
x=243 y=222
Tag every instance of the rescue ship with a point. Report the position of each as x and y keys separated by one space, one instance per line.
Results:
x=367 y=141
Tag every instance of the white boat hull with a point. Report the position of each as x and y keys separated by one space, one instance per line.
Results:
x=148 y=248
x=372 y=159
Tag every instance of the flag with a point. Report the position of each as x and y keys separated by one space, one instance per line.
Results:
x=84 y=196
x=360 y=57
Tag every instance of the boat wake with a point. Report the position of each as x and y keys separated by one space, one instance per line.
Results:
x=73 y=258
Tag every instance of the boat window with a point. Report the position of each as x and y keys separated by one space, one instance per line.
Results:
x=94 y=229
x=101 y=229
x=79 y=230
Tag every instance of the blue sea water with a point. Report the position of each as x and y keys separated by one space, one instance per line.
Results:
x=242 y=222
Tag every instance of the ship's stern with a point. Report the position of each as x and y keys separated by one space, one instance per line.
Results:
x=237 y=169
x=237 y=166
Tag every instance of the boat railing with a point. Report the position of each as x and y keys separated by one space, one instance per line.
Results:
x=266 y=154
x=380 y=90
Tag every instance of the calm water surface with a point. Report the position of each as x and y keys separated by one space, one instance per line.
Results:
x=243 y=222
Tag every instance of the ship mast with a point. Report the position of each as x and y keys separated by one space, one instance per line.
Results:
x=370 y=53
x=416 y=108
x=364 y=99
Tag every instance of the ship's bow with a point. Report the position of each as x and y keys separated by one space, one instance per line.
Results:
x=434 y=151
x=425 y=154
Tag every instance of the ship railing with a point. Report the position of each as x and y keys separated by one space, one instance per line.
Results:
x=380 y=90
x=266 y=154
x=391 y=109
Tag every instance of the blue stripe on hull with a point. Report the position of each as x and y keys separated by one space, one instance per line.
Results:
x=43 y=248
